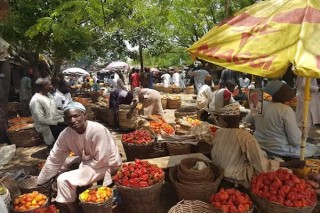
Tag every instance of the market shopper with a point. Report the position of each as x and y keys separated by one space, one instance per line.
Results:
x=199 y=76
x=135 y=79
x=166 y=79
x=89 y=140
x=276 y=129
x=47 y=118
x=150 y=100
x=117 y=97
x=239 y=154
x=205 y=94
x=25 y=94
x=176 y=78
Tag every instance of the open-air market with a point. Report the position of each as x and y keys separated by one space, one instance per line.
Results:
x=174 y=106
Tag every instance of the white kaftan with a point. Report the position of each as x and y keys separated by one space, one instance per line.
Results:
x=166 y=80
x=99 y=155
x=176 y=79
x=204 y=97
x=45 y=113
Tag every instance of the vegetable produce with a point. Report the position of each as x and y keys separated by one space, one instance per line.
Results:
x=3 y=190
x=138 y=174
x=192 y=121
x=231 y=200
x=49 y=209
x=98 y=195
x=284 y=188
x=159 y=124
x=137 y=137
x=29 y=201
x=213 y=130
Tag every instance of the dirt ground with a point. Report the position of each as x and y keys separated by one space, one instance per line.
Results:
x=27 y=158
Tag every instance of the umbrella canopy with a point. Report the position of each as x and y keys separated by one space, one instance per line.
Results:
x=154 y=69
x=118 y=65
x=264 y=38
x=75 y=71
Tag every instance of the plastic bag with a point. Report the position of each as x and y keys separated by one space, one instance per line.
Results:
x=6 y=153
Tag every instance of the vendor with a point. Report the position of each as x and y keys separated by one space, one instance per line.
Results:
x=117 y=97
x=276 y=129
x=223 y=96
x=44 y=112
x=89 y=140
x=205 y=93
x=150 y=100
x=238 y=153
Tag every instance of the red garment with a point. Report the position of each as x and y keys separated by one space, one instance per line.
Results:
x=135 y=79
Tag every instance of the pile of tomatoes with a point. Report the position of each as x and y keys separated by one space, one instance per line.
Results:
x=49 y=209
x=231 y=200
x=137 y=137
x=159 y=124
x=29 y=201
x=138 y=174
x=284 y=188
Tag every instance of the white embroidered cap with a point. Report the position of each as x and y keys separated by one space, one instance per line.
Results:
x=231 y=109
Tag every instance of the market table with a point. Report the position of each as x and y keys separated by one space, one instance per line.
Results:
x=170 y=161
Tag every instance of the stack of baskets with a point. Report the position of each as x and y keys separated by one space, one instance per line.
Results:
x=24 y=135
x=174 y=102
x=164 y=102
x=193 y=184
x=141 y=200
x=191 y=112
x=176 y=89
x=123 y=121
x=167 y=90
x=189 y=90
x=188 y=206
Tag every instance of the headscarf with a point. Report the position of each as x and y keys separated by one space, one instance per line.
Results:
x=74 y=105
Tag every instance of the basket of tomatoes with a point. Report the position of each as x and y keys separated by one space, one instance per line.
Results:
x=140 y=184
x=96 y=199
x=29 y=202
x=282 y=191
x=138 y=144
x=231 y=200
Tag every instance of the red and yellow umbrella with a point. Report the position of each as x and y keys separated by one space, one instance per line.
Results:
x=264 y=38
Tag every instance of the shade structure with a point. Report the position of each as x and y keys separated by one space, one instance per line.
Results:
x=118 y=65
x=75 y=71
x=264 y=38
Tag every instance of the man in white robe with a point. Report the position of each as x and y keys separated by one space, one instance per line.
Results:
x=96 y=147
x=166 y=78
x=176 y=78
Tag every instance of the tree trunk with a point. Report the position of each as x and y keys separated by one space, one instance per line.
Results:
x=140 y=57
x=56 y=67
x=227 y=8
x=4 y=97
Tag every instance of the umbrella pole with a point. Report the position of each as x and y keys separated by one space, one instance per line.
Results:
x=305 y=117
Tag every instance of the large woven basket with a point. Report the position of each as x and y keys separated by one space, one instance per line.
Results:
x=20 y=120
x=164 y=102
x=141 y=200
x=266 y=206
x=191 y=112
x=13 y=107
x=46 y=204
x=174 y=103
x=191 y=206
x=141 y=151
x=167 y=90
x=178 y=149
x=123 y=121
x=26 y=136
x=89 y=207
x=195 y=191
x=189 y=90
x=29 y=185
x=158 y=87
x=176 y=89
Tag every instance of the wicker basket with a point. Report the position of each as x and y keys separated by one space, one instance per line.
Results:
x=158 y=87
x=191 y=112
x=178 y=149
x=190 y=206
x=174 y=103
x=29 y=185
x=20 y=120
x=11 y=185
x=176 y=89
x=189 y=90
x=266 y=206
x=123 y=121
x=141 y=200
x=26 y=136
x=195 y=191
x=191 y=176
x=167 y=90
x=89 y=207
x=186 y=166
x=141 y=151
x=46 y=204
x=13 y=107
x=216 y=210
x=164 y=102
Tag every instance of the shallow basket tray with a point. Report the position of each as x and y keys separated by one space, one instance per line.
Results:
x=266 y=206
x=104 y=207
x=141 y=200
x=178 y=149
x=141 y=151
x=191 y=206
x=191 y=112
x=29 y=185
x=186 y=165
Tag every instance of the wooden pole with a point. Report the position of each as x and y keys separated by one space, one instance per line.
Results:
x=307 y=97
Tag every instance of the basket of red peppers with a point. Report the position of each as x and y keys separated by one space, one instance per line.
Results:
x=138 y=144
x=139 y=184
x=282 y=192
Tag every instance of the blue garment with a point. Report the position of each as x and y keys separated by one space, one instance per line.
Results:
x=277 y=131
